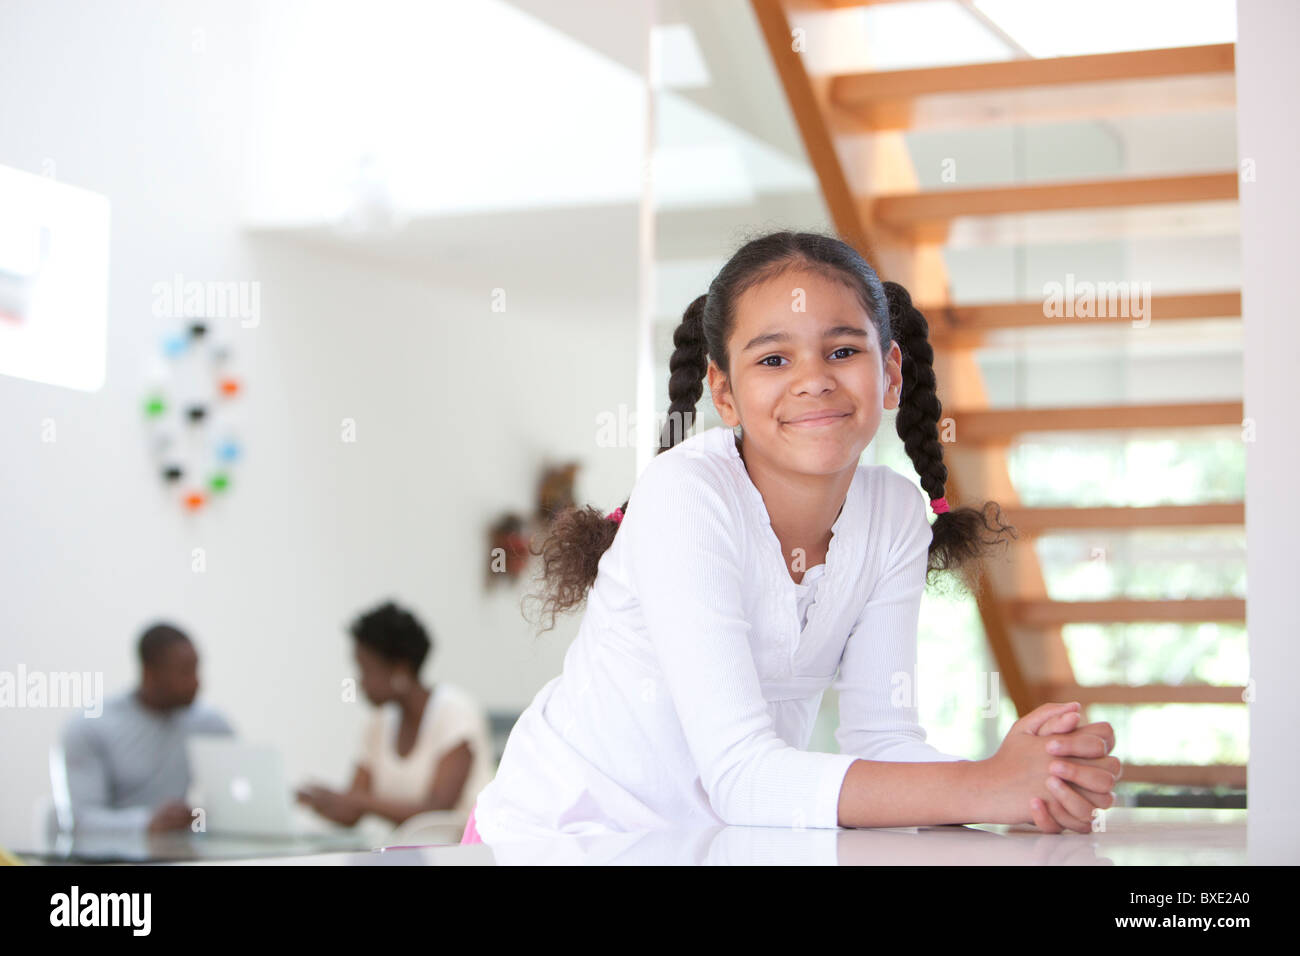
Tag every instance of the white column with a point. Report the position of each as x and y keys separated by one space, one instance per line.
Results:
x=1268 y=75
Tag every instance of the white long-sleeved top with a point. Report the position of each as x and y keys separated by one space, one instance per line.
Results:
x=689 y=695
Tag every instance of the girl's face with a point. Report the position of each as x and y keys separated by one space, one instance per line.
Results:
x=808 y=383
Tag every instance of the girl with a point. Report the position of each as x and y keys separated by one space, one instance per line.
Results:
x=746 y=573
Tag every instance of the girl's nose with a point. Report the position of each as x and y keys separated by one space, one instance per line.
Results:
x=812 y=377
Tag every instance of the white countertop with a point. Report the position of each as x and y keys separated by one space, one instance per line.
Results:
x=1131 y=836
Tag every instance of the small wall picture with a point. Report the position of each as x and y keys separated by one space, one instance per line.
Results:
x=53 y=281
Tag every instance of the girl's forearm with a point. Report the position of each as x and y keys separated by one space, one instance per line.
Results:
x=879 y=793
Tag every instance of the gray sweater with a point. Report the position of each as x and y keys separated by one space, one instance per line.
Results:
x=125 y=763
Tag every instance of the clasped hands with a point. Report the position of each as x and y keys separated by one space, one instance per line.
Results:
x=1082 y=783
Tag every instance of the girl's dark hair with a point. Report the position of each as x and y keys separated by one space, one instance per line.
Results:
x=393 y=633
x=578 y=537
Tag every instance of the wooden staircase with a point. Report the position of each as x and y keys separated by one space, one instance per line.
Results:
x=900 y=229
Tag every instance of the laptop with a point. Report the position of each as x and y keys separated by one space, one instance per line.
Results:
x=240 y=788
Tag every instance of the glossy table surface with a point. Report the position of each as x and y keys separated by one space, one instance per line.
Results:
x=311 y=836
x=1126 y=836
x=185 y=847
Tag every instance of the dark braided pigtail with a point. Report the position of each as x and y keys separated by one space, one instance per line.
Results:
x=686 y=371
x=960 y=535
x=579 y=536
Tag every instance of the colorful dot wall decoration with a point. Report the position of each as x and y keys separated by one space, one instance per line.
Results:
x=192 y=435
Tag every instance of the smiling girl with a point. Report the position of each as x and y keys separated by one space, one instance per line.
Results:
x=749 y=572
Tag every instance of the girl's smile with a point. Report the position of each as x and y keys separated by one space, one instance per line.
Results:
x=820 y=419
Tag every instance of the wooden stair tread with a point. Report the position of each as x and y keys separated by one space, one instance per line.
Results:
x=964 y=325
x=1037 y=520
x=896 y=99
x=1081 y=102
x=1047 y=613
x=1130 y=694
x=1005 y=424
x=1204 y=775
x=925 y=215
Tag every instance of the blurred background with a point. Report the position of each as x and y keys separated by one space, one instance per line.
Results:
x=440 y=250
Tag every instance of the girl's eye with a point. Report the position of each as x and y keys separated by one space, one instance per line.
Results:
x=843 y=348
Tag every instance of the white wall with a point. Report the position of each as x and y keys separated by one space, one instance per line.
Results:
x=1270 y=207
x=455 y=407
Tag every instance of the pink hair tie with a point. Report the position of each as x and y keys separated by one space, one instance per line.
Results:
x=940 y=505
x=615 y=516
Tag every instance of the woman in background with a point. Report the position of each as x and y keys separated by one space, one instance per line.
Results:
x=425 y=749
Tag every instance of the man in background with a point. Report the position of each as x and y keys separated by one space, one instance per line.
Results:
x=127 y=769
